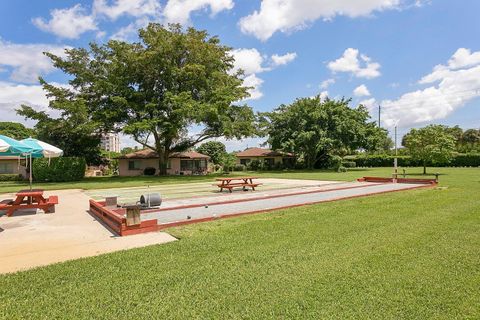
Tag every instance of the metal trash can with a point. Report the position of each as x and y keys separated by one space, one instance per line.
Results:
x=133 y=215
x=151 y=200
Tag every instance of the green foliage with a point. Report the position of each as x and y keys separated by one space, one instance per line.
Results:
x=255 y=165
x=16 y=130
x=349 y=164
x=333 y=162
x=10 y=177
x=149 y=171
x=431 y=144
x=239 y=167
x=467 y=141
x=228 y=161
x=128 y=150
x=214 y=149
x=59 y=169
x=313 y=129
x=386 y=160
x=466 y=160
x=159 y=87
x=74 y=131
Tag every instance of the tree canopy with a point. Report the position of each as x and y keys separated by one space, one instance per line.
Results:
x=214 y=149
x=16 y=130
x=313 y=129
x=73 y=131
x=433 y=143
x=161 y=87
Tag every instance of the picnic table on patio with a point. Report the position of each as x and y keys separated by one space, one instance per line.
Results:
x=243 y=182
x=29 y=199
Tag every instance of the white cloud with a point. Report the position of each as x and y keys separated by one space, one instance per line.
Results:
x=67 y=23
x=130 y=31
x=255 y=82
x=370 y=104
x=27 y=60
x=361 y=91
x=291 y=15
x=252 y=62
x=326 y=83
x=323 y=95
x=280 y=60
x=350 y=62
x=249 y=60
x=451 y=87
x=134 y=8
x=13 y=95
x=179 y=11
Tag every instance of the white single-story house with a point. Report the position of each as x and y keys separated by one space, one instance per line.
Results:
x=12 y=165
x=181 y=163
x=266 y=156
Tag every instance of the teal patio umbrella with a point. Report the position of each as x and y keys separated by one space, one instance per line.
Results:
x=11 y=147
x=40 y=149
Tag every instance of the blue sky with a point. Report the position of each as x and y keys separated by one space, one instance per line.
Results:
x=419 y=59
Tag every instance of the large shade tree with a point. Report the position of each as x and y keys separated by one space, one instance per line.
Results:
x=71 y=129
x=314 y=128
x=214 y=149
x=169 y=83
x=431 y=144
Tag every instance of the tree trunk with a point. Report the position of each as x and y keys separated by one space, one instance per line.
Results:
x=163 y=163
x=424 y=168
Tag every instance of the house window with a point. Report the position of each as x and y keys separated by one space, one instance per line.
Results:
x=186 y=165
x=134 y=165
x=169 y=164
x=6 y=168
x=269 y=162
x=192 y=165
x=201 y=164
x=244 y=161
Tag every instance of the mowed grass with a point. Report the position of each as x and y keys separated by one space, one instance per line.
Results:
x=405 y=255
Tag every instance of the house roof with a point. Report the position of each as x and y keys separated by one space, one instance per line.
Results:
x=150 y=154
x=259 y=152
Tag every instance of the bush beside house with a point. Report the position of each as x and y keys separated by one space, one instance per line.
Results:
x=59 y=169
x=385 y=160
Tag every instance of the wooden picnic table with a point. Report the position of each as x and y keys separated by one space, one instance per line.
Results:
x=29 y=199
x=230 y=183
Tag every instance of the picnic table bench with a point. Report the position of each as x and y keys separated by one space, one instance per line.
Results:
x=29 y=199
x=243 y=182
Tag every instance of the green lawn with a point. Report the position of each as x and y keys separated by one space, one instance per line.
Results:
x=410 y=255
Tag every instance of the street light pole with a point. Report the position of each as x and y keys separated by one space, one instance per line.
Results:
x=379 y=114
x=395 y=161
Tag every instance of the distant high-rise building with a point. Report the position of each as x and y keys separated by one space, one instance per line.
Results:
x=110 y=142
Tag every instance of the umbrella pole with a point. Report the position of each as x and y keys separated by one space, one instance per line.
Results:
x=31 y=169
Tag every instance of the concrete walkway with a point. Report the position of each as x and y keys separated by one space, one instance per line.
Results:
x=29 y=239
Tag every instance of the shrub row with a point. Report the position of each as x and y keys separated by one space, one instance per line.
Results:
x=383 y=160
x=10 y=177
x=59 y=169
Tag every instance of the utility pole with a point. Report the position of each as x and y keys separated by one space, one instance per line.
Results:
x=395 y=161
x=379 y=113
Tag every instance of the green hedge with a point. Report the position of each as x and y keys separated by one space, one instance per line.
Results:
x=384 y=160
x=59 y=170
x=10 y=177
